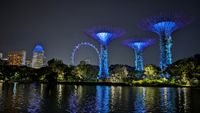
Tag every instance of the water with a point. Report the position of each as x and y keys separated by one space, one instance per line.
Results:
x=39 y=98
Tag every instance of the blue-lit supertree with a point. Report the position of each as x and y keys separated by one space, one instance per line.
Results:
x=139 y=45
x=104 y=34
x=163 y=25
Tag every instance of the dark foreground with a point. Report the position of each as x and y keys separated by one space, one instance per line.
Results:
x=61 y=98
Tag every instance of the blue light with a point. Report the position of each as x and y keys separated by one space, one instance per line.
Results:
x=140 y=97
x=104 y=36
x=103 y=65
x=139 y=66
x=38 y=48
x=165 y=27
x=102 y=99
x=165 y=48
x=139 y=45
x=164 y=30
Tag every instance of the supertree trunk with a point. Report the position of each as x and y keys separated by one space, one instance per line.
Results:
x=103 y=65
x=139 y=61
x=165 y=47
x=139 y=66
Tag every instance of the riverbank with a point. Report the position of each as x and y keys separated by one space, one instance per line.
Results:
x=104 y=84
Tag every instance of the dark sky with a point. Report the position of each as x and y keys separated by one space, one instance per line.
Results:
x=59 y=25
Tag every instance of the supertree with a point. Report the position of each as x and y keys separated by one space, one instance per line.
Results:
x=104 y=34
x=163 y=25
x=139 y=45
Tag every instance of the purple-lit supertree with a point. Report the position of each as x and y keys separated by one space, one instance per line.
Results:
x=163 y=25
x=104 y=34
x=139 y=45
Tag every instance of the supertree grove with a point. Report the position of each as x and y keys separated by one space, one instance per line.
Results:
x=104 y=34
x=163 y=25
x=139 y=45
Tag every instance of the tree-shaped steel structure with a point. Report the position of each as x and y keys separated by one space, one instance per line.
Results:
x=139 y=45
x=104 y=34
x=163 y=25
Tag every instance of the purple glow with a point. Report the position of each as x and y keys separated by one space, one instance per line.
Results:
x=139 y=44
x=104 y=36
x=165 y=23
x=164 y=27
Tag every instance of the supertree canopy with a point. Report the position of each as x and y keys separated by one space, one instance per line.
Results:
x=139 y=45
x=104 y=34
x=163 y=25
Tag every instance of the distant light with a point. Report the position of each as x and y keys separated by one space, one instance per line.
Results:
x=38 y=48
x=104 y=36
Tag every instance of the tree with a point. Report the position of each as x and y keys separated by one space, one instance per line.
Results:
x=151 y=71
x=188 y=67
x=58 y=67
x=79 y=72
x=119 y=73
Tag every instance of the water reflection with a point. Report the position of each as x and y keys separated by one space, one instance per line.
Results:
x=1 y=94
x=140 y=100
x=167 y=97
x=34 y=99
x=72 y=104
x=14 y=89
x=1 y=89
x=75 y=98
x=102 y=99
x=115 y=96
x=60 y=94
x=42 y=90
x=39 y=98
x=183 y=99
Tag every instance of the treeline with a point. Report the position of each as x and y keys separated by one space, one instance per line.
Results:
x=182 y=72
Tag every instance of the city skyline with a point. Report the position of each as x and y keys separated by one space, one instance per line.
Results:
x=60 y=26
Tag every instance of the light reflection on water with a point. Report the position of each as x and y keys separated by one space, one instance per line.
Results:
x=34 y=99
x=38 y=98
x=139 y=103
x=102 y=98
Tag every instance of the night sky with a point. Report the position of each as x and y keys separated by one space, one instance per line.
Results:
x=60 y=24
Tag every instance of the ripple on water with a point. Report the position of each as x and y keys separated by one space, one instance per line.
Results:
x=38 y=98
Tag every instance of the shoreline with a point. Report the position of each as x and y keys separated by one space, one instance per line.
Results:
x=100 y=84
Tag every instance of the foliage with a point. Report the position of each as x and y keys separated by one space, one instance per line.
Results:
x=155 y=82
x=151 y=71
x=119 y=74
x=186 y=68
x=185 y=72
x=85 y=72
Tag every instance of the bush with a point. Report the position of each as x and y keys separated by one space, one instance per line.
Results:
x=194 y=82
x=149 y=82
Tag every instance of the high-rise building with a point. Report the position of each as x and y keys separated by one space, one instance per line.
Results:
x=1 y=55
x=17 y=58
x=28 y=62
x=38 y=57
